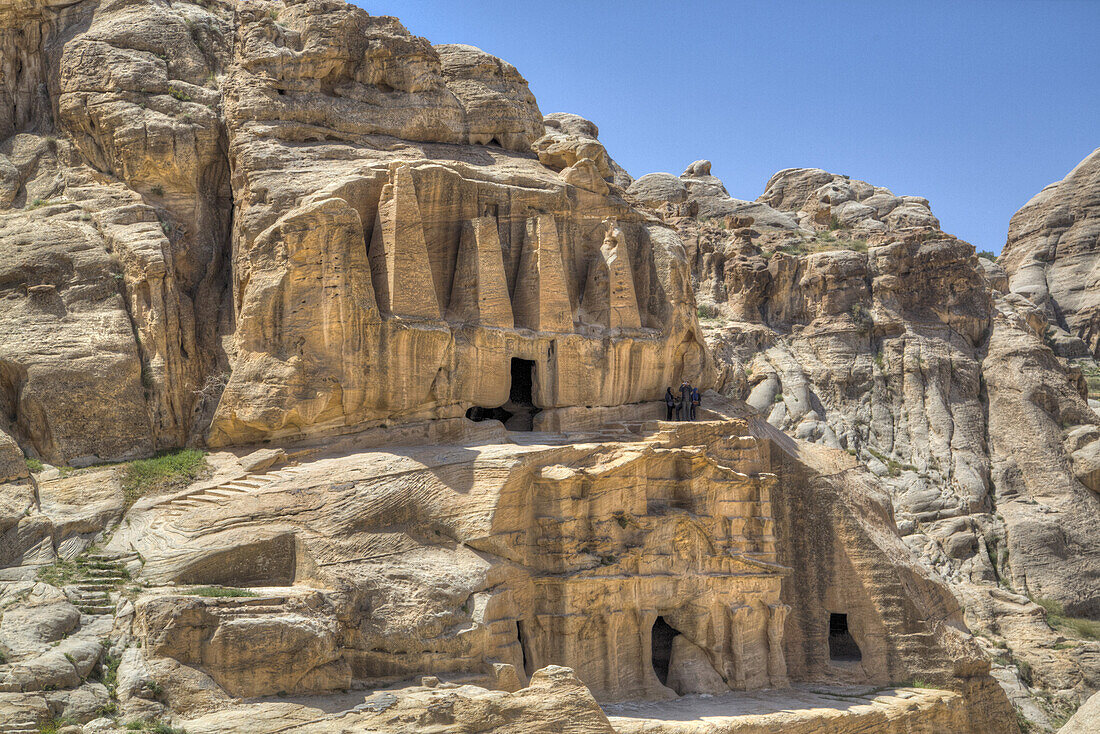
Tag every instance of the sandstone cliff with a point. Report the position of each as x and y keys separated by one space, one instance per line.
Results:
x=264 y=220
x=297 y=225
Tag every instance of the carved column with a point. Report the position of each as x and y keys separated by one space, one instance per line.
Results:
x=777 y=660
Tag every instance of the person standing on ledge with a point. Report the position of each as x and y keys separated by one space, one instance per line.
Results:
x=696 y=400
x=685 y=400
x=670 y=405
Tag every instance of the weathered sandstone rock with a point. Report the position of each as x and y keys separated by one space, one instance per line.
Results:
x=1051 y=249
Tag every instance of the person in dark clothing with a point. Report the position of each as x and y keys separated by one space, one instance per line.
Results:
x=696 y=400
x=670 y=405
x=685 y=401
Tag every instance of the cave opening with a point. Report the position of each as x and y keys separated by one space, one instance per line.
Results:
x=661 y=643
x=842 y=646
x=518 y=414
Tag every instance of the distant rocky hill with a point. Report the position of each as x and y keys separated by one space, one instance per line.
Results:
x=845 y=315
x=331 y=377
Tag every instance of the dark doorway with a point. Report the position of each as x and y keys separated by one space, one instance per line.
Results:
x=528 y=668
x=521 y=400
x=661 y=643
x=523 y=382
x=842 y=646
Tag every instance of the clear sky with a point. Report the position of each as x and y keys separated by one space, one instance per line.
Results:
x=976 y=105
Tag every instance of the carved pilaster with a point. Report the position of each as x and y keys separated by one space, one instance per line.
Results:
x=739 y=619
x=777 y=660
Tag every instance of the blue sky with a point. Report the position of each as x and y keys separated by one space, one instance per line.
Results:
x=975 y=105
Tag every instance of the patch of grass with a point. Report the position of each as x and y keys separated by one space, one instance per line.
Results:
x=59 y=573
x=880 y=361
x=109 y=710
x=919 y=683
x=706 y=313
x=857 y=245
x=164 y=472
x=778 y=398
x=179 y=94
x=834 y=222
x=53 y=724
x=34 y=465
x=220 y=591
x=37 y=204
x=793 y=248
x=1057 y=619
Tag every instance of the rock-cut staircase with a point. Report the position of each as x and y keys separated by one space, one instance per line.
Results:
x=225 y=491
x=97 y=576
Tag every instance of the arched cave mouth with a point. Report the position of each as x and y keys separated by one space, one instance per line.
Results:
x=661 y=643
x=842 y=646
x=518 y=414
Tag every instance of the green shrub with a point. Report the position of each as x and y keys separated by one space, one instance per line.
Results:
x=164 y=472
x=34 y=465
x=59 y=573
x=37 y=203
x=179 y=94
x=1057 y=619
x=53 y=724
x=220 y=591
x=158 y=190
x=987 y=254
x=857 y=245
x=834 y=222
x=706 y=312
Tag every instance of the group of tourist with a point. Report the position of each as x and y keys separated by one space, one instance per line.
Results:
x=681 y=405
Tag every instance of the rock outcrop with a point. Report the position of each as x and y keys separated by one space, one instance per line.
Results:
x=866 y=328
x=1051 y=250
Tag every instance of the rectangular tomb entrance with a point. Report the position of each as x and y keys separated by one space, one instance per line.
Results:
x=842 y=646
x=521 y=400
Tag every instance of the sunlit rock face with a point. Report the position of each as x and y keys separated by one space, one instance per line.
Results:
x=271 y=220
x=1052 y=248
